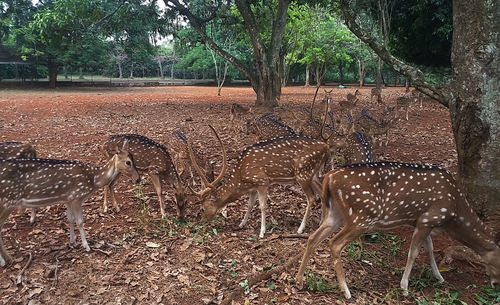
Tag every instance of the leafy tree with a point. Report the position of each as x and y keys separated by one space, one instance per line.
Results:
x=264 y=22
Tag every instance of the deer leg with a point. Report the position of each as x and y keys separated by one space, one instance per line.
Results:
x=109 y=189
x=337 y=243
x=252 y=198
x=419 y=235
x=308 y=190
x=76 y=208
x=155 y=179
x=329 y=224
x=262 y=203
x=33 y=216
x=430 y=251
x=407 y=110
x=71 y=221
x=5 y=258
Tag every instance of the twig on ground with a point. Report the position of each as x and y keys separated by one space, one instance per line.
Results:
x=19 y=278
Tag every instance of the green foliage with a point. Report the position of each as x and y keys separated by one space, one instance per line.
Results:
x=318 y=282
x=488 y=296
x=442 y=297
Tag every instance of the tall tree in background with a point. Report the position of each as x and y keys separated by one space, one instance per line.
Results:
x=472 y=96
x=265 y=76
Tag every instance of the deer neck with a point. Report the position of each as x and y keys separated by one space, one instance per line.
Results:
x=230 y=191
x=473 y=233
x=105 y=174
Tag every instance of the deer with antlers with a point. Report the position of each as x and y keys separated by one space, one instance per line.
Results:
x=33 y=183
x=280 y=160
x=178 y=143
x=153 y=159
x=268 y=126
x=18 y=150
x=384 y=195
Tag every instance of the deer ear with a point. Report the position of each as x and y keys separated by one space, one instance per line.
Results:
x=125 y=145
x=114 y=149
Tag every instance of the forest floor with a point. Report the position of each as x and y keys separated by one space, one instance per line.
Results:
x=139 y=258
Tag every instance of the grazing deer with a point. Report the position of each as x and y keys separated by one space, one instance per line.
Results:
x=18 y=150
x=350 y=102
x=367 y=124
x=376 y=92
x=268 y=126
x=282 y=160
x=152 y=158
x=33 y=183
x=417 y=97
x=237 y=111
x=384 y=195
x=182 y=161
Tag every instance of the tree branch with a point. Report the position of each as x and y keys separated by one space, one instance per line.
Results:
x=441 y=93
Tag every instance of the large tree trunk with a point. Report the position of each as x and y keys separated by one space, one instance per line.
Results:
x=53 y=68
x=474 y=107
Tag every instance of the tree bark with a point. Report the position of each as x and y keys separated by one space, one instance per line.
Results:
x=307 y=84
x=53 y=68
x=474 y=107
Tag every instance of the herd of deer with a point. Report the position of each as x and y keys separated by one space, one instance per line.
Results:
x=361 y=196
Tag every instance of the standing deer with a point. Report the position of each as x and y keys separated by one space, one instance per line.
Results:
x=418 y=97
x=236 y=111
x=282 y=160
x=376 y=92
x=33 y=183
x=384 y=195
x=268 y=126
x=403 y=102
x=367 y=124
x=18 y=150
x=350 y=102
x=152 y=158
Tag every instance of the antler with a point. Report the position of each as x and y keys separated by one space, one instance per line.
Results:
x=207 y=185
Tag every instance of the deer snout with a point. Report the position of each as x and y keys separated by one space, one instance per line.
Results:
x=495 y=284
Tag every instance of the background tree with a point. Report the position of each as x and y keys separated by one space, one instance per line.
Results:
x=472 y=96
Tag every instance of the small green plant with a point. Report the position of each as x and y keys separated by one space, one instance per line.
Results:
x=488 y=296
x=442 y=297
x=424 y=279
x=355 y=250
x=318 y=282
x=245 y=285
x=271 y=285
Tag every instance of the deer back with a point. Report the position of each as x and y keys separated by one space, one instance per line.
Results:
x=268 y=126
x=16 y=150
x=148 y=155
x=358 y=149
x=35 y=182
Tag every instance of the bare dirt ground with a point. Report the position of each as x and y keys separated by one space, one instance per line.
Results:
x=138 y=258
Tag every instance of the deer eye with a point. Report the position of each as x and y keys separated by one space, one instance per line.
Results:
x=128 y=163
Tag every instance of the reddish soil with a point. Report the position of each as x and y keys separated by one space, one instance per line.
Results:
x=193 y=263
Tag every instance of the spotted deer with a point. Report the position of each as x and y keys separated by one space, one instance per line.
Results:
x=377 y=93
x=181 y=158
x=281 y=160
x=33 y=183
x=417 y=97
x=268 y=126
x=350 y=102
x=236 y=111
x=403 y=103
x=367 y=124
x=18 y=150
x=150 y=158
x=356 y=149
x=384 y=195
